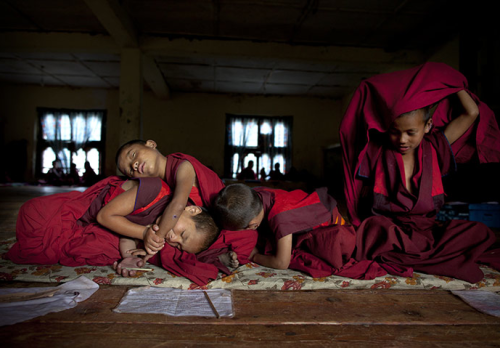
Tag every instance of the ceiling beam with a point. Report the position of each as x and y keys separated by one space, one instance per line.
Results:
x=154 y=78
x=119 y=25
x=115 y=20
x=276 y=51
x=150 y=46
x=73 y=43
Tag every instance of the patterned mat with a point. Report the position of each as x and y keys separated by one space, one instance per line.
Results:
x=246 y=277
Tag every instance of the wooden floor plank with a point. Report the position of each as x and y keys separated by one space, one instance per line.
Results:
x=133 y=335
x=321 y=307
x=340 y=318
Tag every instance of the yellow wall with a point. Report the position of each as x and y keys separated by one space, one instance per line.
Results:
x=189 y=123
x=195 y=124
x=19 y=110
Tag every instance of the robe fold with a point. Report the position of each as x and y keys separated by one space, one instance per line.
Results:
x=49 y=229
x=397 y=227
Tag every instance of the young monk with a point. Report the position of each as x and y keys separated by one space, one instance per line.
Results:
x=296 y=230
x=68 y=228
x=395 y=154
x=183 y=173
x=194 y=232
x=188 y=178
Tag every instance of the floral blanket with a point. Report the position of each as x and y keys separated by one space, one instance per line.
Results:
x=246 y=277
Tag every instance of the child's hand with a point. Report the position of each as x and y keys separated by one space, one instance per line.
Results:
x=128 y=262
x=153 y=243
x=141 y=252
x=138 y=252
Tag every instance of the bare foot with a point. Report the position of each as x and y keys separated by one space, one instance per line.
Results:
x=229 y=260
x=129 y=262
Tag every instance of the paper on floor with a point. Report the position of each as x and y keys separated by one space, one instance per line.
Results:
x=66 y=296
x=484 y=301
x=177 y=302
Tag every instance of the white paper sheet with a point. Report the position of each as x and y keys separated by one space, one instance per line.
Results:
x=177 y=302
x=484 y=301
x=67 y=296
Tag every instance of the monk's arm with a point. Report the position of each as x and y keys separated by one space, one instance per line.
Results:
x=112 y=215
x=458 y=126
x=282 y=258
x=185 y=179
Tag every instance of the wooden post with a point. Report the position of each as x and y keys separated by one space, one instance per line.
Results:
x=131 y=81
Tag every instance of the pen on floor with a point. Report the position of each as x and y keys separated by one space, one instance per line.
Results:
x=211 y=304
x=140 y=269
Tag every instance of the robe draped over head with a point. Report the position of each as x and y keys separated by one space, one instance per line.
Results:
x=395 y=225
x=380 y=99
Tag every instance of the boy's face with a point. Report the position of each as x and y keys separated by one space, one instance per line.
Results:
x=184 y=236
x=140 y=161
x=256 y=221
x=408 y=130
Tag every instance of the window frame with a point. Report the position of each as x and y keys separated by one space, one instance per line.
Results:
x=42 y=144
x=230 y=150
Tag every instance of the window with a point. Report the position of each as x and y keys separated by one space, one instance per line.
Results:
x=71 y=136
x=263 y=140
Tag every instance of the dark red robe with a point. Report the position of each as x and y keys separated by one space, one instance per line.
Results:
x=62 y=228
x=402 y=229
x=322 y=244
x=380 y=99
x=241 y=242
x=49 y=229
x=209 y=183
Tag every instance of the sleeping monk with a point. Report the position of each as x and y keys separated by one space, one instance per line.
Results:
x=395 y=153
x=63 y=228
x=296 y=230
x=183 y=173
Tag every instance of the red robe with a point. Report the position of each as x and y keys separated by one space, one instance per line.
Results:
x=209 y=183
x=62 y=228
x=241 y=242
x=403 y=230
x=380 y=99
x=322 y=243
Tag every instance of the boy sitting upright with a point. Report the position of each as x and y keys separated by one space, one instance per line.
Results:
x=395 y=154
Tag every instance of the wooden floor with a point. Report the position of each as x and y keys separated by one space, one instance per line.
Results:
x=343 y=318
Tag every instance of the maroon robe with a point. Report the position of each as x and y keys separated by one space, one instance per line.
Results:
x=381 y=98
x=402 y=230
x=209 y=183
x=49 y=229
x=241 y=242
x=322 y=244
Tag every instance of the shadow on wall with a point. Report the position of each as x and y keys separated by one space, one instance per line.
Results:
x=14 y=163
